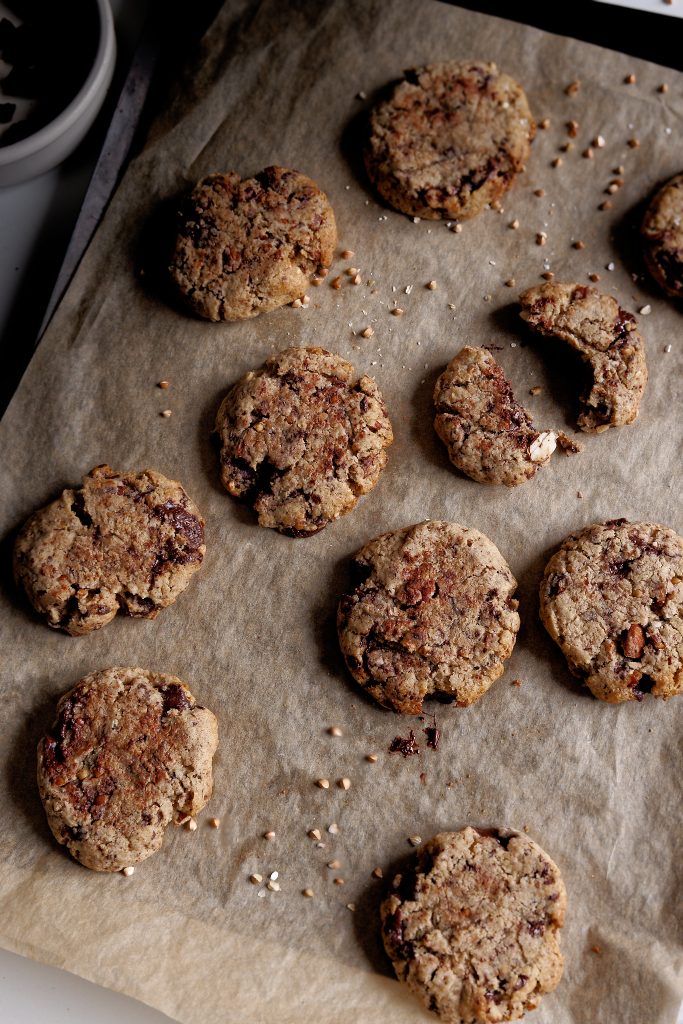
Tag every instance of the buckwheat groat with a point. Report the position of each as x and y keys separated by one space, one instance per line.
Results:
x=612 y=598
x=607 y=339
x=489 y=435
x=662 y=233
x=473 y=928
x=129 y=541
x=129 y=751
x=432 y=615
x=302 y=438
x=450 y=140
x=246 y=247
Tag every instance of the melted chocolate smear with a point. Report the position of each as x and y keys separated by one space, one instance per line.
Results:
x=404 y=745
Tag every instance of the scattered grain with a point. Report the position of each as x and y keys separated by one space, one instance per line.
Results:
x=255 y=879
x=367 y=332
x=645 y=310
x=191 y=825
x=414 y=840
x=351 y=907
x=333 y=829
x=128 y=871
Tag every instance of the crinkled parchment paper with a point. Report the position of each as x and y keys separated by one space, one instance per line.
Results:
x=597 y=786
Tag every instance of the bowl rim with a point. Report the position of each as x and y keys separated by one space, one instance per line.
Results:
x=72 y=112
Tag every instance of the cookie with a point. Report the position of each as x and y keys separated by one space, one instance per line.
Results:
x=612 y=598
x=130 y=751
x=662 y=234
x=489 y=435
x=432 y=615
x=302 y=438
x=450 y=140
x=472 y=928
x=246 y=247
x=128 y=541
x=607 y=339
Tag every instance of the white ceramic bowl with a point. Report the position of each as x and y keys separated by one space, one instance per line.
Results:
x=52 y=143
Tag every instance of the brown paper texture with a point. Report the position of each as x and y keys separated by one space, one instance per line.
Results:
x=596 y=785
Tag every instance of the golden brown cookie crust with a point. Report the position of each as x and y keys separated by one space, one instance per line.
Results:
x=450 y=140
x=662 y=234
x=130 y=751
x=247 y=247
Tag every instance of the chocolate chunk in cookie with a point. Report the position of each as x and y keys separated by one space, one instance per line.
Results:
x=607 y=339
x=612 y=598
x=130 y=751
x=473 y=928
x=662 y=234
x=129 y=541
x=489 y=435
x=246 y=247
x=432 y=615
x=450 y=140
x=302 y=438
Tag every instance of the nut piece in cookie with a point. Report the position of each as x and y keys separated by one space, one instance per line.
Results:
x=607 y=339
x=612 y=598
x=662 y=234
x=450 y=140
x=129 y=541
x=302 y=438
x=246 y=247
x=473 y=928
x=489 y=435
x=130 y=751
x=433 y=614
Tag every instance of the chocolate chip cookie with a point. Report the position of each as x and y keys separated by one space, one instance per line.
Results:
x=450 y=140
x=489 y=435
x=612 y=598
x=302 y=438
x=473 y=928
x=607 y=339
x=662 y=234
x=246 y=247
x=122 y=541
x=432 y=614
x=130 y=751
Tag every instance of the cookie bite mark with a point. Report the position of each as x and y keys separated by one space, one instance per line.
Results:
x=662 y=237
x=489 y=435
x=302 y=438
x=450 y=140
x=247 y=247
x=434 y=616
x=606 y=337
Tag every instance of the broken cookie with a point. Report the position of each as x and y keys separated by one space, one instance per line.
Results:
x=662 y=234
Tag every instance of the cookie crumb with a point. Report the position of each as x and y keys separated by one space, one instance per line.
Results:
x=540 y=192
x=334 y=865
x=599 y=142
x=269 y=835
x=579 y=494
x=166 y=413
x=351 y=907
x=606 y=204
x=333 y=829
x=587 y=153
x=457 y=228
x=573 y=87
x=344 y=783
x=347 y=254
x=338 y=881
x=308 y=893
x=547 y=275
x=609 y=266
x=510 y=283
x=536 y=390
x=334 y=730
x=572 y=129
x=594 y=278
x=163 y=384
x=273 y=886
x=323 y=783
x=541 y=238
x=377 y=873
x=579 y=244
x=544 y=123
x=663 y=87
x=645 y=310
x=371 y=758
x=415 y=840
x=214 y=822
x=191 y=825
x=313 y=833
x=514 y=224
x=255 y=879
x=597 y=950
x=516 y=682
x=128 y=871
x=336 y=283
x=431 y=285
x=630 y=79
x=667 y=348
x=296 y=304
x=356 y=279
x=557 y=162
x=633 y=143
x=397 y=311
x=367 y=332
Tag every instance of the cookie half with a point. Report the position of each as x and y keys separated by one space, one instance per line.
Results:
x=612 y=598
x=450 y=140
x=607 y=338
x=130 y=751
x=662 y=234
x=246 y=247
x=302 y=438
x=433 y=614
x=489 y=435
x=122 y=541
x=473 y=928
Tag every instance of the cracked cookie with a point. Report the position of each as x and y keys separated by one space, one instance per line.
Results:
x=489 y=435
x=432 y=614
x=129 y=751
x=302 y=438
x=472 y=928
x=128 y=541
x=662 y=234
x=607 y=339
x=450 y=140
x=247 y=247
x=612 y=598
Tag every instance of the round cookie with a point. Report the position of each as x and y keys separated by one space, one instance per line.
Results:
x=302 y=438
x=432 y=615
x=130 y=751
x=612 y=598
x=246 y=247
x=662 y=234
x=128 y=541
x=472 y=929
x=450 y=140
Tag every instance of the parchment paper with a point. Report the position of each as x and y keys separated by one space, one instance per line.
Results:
x=597 y=786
